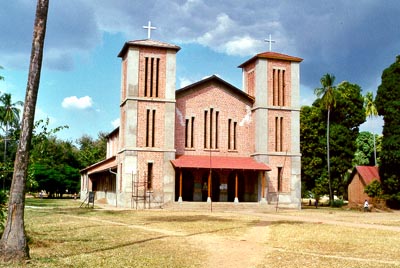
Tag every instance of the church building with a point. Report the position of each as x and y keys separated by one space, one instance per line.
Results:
x=207 y=142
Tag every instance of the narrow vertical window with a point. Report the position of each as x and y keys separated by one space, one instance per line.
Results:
x=205 y=129
x=147 y=127
x=151 y=77
x=157 y=75
x=279 y=179
x=153 y=129
x=216 y=129
x=283 y=87
x=279 y=87
x=234 y=135
x=192 y=133
x=281 y=134
x=187 y=133
x=229 y=133
x=146 y=71
x=211 y=128
x=276 y=134
x=149 y=176
x=274 y=87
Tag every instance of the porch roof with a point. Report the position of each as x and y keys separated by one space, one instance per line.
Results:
x=101 y=166
x=218 y=162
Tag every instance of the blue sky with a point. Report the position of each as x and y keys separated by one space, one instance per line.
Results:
x=80 y=82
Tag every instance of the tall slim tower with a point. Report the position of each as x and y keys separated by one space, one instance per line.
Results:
x=147 y=114
x=274 y=80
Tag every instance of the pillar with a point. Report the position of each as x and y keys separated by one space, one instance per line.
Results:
x=180 y=186
x=236 y=189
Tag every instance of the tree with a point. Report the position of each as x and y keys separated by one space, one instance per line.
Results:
x=370 y=111
x=92 y=151
x=9 y=116
x=368 y=145
x=53 y=164
x=344 y=129
x=388 y=105
x=312 y=144
x=327 y=94
x=13 y=244
x=56 y=169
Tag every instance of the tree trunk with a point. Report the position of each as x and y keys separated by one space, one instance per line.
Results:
x=13 y=243
x=329 y=161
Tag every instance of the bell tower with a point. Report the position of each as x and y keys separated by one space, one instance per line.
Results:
x=147 y=119
x=274 y=80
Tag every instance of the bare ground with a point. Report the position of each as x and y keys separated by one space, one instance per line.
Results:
x=250 y=248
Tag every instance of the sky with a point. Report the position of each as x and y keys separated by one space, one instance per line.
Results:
x=81 y=73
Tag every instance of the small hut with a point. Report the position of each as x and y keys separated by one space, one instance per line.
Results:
x=360 y=177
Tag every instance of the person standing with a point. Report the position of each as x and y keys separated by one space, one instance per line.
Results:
x=366 y=206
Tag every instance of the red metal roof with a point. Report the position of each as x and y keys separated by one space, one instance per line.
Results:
x=368 y=173
x=219 y=162
x=273 y=56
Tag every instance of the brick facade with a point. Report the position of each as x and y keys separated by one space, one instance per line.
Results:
x=208 y=118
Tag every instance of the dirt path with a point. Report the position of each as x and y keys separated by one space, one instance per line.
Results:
x=250 y=249
x=247 y=250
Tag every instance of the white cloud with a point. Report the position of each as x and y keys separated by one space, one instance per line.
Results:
x=74 y=102
x=184 y=81
x=115 y=123
x=243 y=46
x=224 y=26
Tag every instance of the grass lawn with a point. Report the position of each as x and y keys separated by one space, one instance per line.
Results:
x=63 y=235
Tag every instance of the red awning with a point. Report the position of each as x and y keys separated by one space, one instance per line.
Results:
x=219 y=162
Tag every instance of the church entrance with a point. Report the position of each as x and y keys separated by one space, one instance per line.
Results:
x=193 y=185
x=215 y=186
x=232 y=186
x=187 y=186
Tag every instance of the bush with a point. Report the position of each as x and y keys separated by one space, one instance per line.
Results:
x=337 y=203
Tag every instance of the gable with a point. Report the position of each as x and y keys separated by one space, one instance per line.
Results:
x=214 y=82
x=367 y=174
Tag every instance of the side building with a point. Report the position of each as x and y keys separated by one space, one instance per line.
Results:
x=209 y=141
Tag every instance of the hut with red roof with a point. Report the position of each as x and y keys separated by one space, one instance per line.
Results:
x=359 y=179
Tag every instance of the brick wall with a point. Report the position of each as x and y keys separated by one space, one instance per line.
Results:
x=229 y=106
x=152 y=53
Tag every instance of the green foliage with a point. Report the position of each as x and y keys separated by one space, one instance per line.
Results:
x=312 y=135
x=54 y=164
x=327 y=91
x=388 y=105
x=92 y=151
x=337 y=203
x=364 y=155
x=373 y=189
x=321 y=188
x=346 y=118
x=9 y=111
x=3 y=209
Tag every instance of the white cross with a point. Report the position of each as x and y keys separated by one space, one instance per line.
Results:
x=270 y=41
x=149 y=28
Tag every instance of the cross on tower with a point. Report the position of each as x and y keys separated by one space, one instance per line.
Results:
x=149 y=28
x=270 y=41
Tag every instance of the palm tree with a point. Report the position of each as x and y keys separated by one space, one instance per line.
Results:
x=13 y=243
x=370 y=111
x=9 y=115
x=327 y=94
